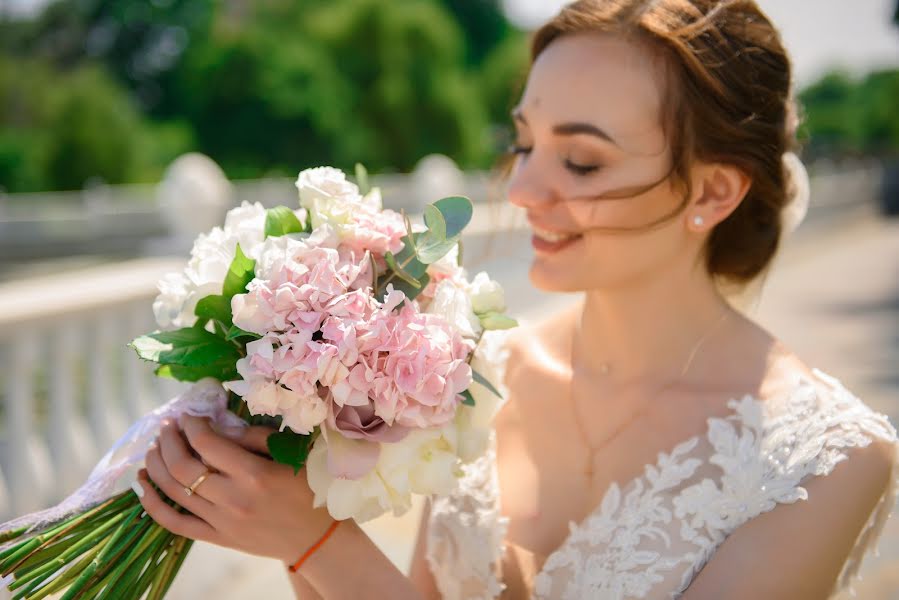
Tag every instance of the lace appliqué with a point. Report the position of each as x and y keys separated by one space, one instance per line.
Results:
x=649 y=538
x=763 y=452
x=466 y=534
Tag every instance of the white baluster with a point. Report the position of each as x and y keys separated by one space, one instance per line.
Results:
x=139 y=399
x=104 y=412
x=25 y=458
x=71 y=447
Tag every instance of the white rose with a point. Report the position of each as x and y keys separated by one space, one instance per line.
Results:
x=453 y=304
x=486 y=295
x=246 y=225
x=210 y=260
x=168 y=307
x=327 y=195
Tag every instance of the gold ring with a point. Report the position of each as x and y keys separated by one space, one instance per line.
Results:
x=189 y=490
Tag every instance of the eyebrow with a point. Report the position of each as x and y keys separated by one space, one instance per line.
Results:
x=571 y=128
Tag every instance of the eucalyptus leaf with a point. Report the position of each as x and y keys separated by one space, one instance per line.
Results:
x=492 y=321
x=435 y=222
x=430 y=250
x=400 y=272
x=289 y=448
x=281 y=221
x=483 y=381
x=457 y=212
x=467 y=398
x=362 y=179
x=411 y=291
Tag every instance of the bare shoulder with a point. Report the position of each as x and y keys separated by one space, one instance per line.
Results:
x=802 y=546
x=800 y=549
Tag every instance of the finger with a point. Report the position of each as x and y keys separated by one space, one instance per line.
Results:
x=168 y=517
x=178 y=457
x=159 y=474
x=254 y=438
x=219 y=451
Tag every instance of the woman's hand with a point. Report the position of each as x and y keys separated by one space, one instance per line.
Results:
x=248 y=502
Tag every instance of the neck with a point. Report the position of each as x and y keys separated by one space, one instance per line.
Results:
x=648 y=330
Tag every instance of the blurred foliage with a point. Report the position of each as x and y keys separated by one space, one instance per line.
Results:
x=845 y=116
x=118 y=89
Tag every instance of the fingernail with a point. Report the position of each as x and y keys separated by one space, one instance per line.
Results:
x=138 y=488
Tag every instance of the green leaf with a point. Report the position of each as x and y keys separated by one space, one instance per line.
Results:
x=483 y=381
x=188 y=347
x=391 y=262
x=411 y=291
x=457 y=212
x=289 y=448
x=224 y=371
x=215 y=307
x=281 y=221
x=239 y=274
x=467 y=398
x=430 y=250
x=435 y=222
x=492 y=320
x=362 y=179
x=236 y=332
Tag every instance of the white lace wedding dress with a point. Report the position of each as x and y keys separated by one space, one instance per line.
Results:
x=649 y=537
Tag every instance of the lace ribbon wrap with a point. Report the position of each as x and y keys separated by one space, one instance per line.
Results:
x=118 y=468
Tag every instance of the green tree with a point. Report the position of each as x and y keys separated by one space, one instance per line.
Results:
x=59 y=129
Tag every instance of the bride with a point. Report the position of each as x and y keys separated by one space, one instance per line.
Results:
x=655 y=442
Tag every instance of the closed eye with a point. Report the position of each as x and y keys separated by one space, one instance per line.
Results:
x=581 y=170
x=577 y=169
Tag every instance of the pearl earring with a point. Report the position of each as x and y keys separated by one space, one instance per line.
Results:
x=698 y=221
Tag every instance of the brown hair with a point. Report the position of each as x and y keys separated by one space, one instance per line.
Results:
x=730 y=103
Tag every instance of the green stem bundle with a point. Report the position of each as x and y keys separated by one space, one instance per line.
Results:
x=113 y=550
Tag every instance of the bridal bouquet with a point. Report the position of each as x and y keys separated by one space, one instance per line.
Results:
x=340 y=324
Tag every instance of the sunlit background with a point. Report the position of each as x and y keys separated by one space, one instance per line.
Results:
x=129 y=126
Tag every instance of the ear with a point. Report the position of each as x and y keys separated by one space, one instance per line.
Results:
x=719 y=190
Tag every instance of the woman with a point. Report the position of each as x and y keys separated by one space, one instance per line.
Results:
x=698 y=456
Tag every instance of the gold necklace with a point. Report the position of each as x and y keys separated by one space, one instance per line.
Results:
x=588 y=469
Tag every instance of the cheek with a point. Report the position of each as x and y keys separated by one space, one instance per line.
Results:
x=605 y=261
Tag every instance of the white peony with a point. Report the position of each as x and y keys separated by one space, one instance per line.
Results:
x=424 y=462
x=486 y=295
x=453 y=304
x=475 y=423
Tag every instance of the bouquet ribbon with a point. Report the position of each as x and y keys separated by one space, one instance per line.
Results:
x=118 y=468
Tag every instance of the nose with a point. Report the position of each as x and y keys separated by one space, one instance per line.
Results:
x=528 y=187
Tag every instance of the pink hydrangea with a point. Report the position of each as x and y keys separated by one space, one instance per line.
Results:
x=413 y=366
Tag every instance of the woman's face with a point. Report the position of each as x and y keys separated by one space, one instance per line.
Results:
x=590 y=141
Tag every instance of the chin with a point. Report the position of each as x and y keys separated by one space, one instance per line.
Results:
x=549 y=278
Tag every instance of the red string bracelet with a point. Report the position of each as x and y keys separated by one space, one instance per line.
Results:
x=296 y=566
